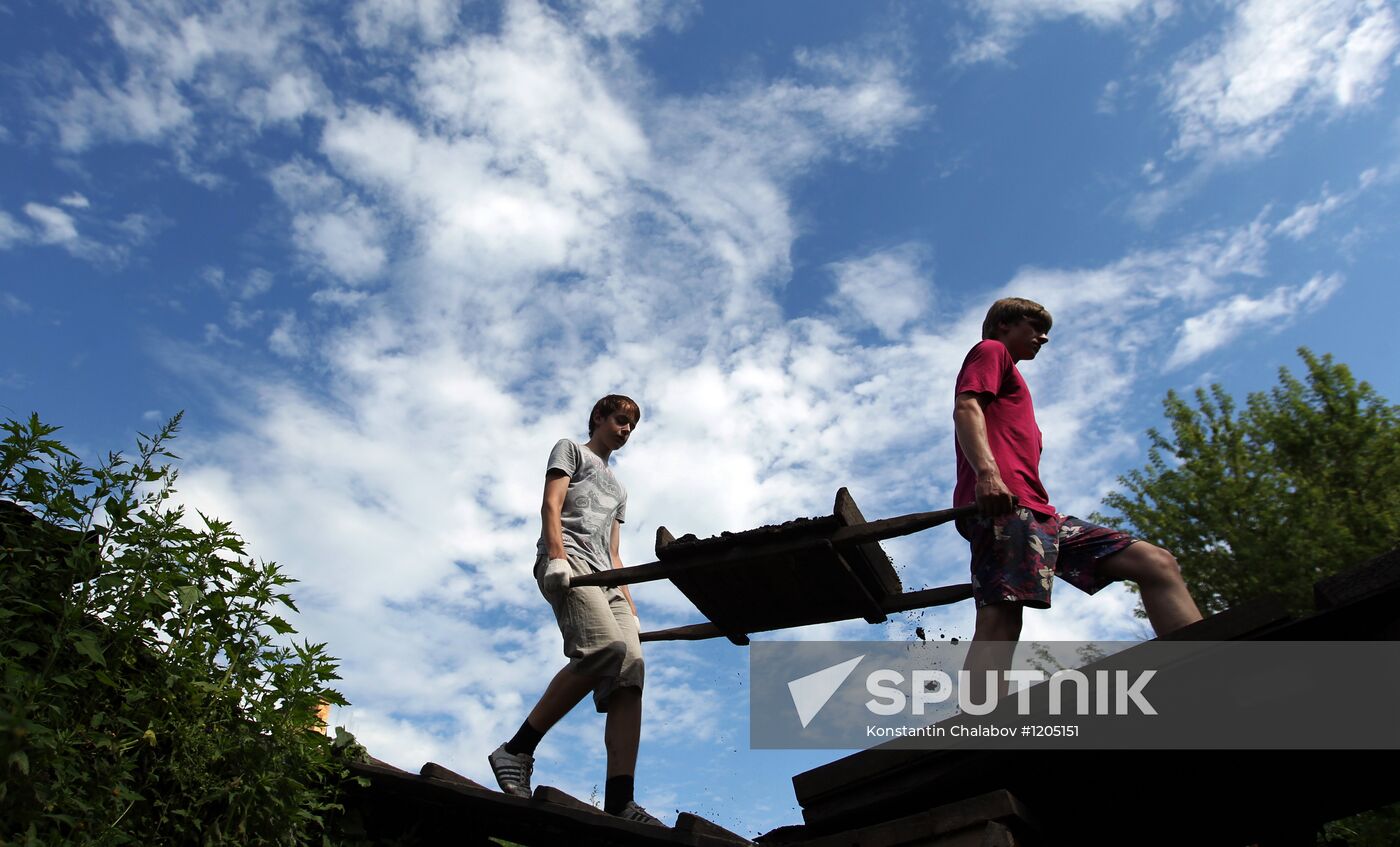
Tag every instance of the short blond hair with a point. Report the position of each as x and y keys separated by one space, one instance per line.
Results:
x=1010 y=310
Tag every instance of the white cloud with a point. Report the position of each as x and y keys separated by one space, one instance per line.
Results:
x=12 y=231
x=286 y=98
x=286 y=339
x=74 y=200
x=1211 y=330
x=242 y=318
x=1107 y=103
x=242 y=60
x=13 y=304
x=888 y=289
x=110 y=247
x=55 y=225
x=332 y=227
x=257 y=283
x=1305 y=218
x=379 y=23
x=346 y=242
x=629 y=18
x=214 y=334
x=1007 y=22
x=1238 y=94
x=135 y=109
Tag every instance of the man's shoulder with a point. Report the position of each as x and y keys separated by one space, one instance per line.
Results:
x=987 y=353
x=566 y=455
x=989 y=347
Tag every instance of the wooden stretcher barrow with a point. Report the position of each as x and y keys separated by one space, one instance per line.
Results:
x=805 y=571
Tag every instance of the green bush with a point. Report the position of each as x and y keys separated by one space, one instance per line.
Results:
x=148 y=691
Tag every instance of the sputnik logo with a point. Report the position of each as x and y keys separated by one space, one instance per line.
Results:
x=811 y=692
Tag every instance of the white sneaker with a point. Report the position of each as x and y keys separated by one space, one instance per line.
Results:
x=512 y=772
x=636 y=814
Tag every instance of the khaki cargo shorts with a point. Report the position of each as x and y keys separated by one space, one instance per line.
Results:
x=600 y=634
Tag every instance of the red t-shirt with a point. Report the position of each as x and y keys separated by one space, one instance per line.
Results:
x=1012 y=432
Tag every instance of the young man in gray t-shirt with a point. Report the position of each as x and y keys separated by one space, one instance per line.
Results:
x=584 y=506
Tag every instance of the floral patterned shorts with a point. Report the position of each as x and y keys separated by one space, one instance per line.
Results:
x=1015 y=556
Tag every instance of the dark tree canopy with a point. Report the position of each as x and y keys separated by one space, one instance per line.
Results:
x=1301 y=483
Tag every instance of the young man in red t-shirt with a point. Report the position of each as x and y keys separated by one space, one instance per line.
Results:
x=1019 y=542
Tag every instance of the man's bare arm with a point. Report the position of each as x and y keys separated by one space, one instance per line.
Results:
x=556 y=485
x=617 y=561
x=970 y=427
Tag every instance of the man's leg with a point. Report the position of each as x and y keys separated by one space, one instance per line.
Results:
x=623 y=701
x=993 y=645
x=621 y=737
x=514 y=761
x=1164 y=595
x=624 y=731
x=562 y=694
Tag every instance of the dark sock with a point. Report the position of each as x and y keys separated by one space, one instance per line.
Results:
x=617 y=794
x=526 y=739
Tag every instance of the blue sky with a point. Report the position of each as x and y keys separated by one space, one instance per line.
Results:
x=385 y=253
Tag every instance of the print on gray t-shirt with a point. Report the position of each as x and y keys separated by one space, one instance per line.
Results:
x=594 y=500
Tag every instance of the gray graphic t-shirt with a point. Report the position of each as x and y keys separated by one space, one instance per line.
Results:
x=594 y=500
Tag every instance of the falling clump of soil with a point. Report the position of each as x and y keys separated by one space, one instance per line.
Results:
x=919 y=631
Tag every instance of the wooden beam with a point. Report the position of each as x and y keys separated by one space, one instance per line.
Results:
x=940 y=596
x=898 y=603
x=693 y=632
x=896 y=527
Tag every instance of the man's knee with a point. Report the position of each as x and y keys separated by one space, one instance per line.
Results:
x=999 y=622
x=1148 y=565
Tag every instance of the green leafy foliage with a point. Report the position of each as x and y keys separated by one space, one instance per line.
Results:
x=1301 y=483
x=148 y=692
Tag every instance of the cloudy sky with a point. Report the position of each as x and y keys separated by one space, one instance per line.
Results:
x=384 y=253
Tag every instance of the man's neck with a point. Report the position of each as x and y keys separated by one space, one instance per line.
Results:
x=598 y=450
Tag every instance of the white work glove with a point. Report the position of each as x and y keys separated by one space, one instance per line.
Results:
x=556 y=576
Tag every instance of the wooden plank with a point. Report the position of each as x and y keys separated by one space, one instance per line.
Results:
x=859 y=591
x=713 y=597
x=800 y=586
x=939 y=825
x=383 y=764
x=797 y=529
x=664 y=539
x=433 y=770
x=550 y=794
x=440 y=812
x=687 y=822
x=898 y=603
x=1215 y=807
x=1379 y=574
x=1249 y=617
x=867 y=560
